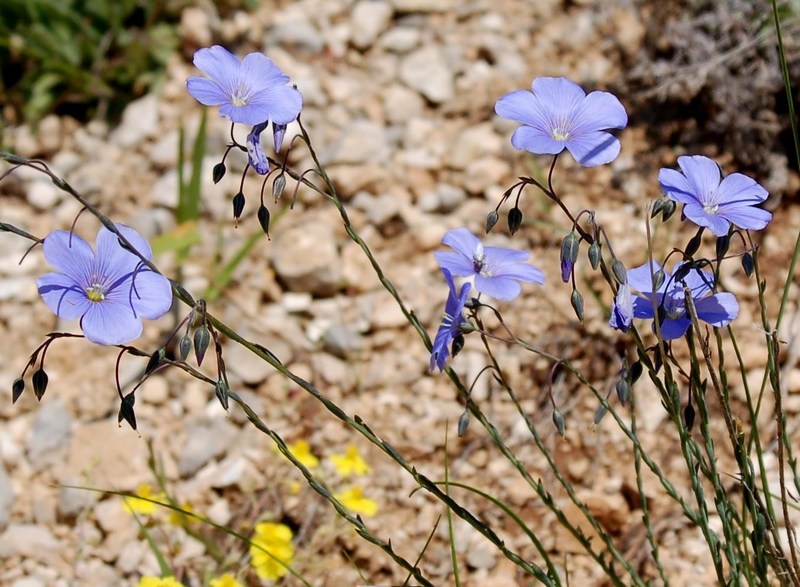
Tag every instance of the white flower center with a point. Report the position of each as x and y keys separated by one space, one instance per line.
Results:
x=710 y=204
x=561 y=134
x=239 y=95
x=479 y=261
x=95 y=293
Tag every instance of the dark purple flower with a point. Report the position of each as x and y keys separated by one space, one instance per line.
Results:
x=450 y=328
x=711 y=201
x=250 y=91
x=622 y=309
x=495 y=270
x=558 y=114
x=717 y=309
x=109 y=290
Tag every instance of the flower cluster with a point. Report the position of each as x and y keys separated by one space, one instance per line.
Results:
x=271 y=550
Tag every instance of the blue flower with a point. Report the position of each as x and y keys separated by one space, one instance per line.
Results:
x=717 y=309
x=250 y=91
x=558 y=114
x=622 y=310
x=711 y=201
x=495 y=270
x=110 y=290
x=450 y=329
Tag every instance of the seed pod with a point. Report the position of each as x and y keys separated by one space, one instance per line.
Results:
x=238 y=205
x=658 y=206
x=694 y=243
x=623 y=391
x=747 y=263
x=458 y=344
x=16 y=389
x=636 y=372
x=576 y=299
x=514 y=219
x=658 y=279
x=155 y=360
x=185 y=347
x=723 y=242
x=278 y=186
x=463 y=424
x=619 y=271
x=221 y=391
x=218 y=172
x=558 y=420
x=39 y=380
x=263 y=218
x=688 y=416
x=668 y=210
x=126 y=410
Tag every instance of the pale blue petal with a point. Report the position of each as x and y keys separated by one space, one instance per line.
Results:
x=672 y=329
x=220 y=65
x=501 y=288
x=748 y=217
x=676 y=187
x=520 y=106
x=737 y=190
x=599 y=111
x=718 y=310
x=456 y=263
x=151 y=294
x=462 y=241
x=643 y=307
x=536 y=140
x=702 y=173
x=639 y=278
x=594 y=148
x=110 y=322
x=714 y=222
x=559 y=95
x=281 y=104
x=69 y=254
x=206 y=92
x=62 y=296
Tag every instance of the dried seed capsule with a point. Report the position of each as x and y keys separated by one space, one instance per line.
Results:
x=238 y=205
x=39 y=380
x=16 y=389
x=263 y=218
x=218 y=172
x=514 y=219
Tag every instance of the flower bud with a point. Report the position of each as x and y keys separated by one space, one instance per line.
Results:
x=155 y=360
x=278 y=186
x=658 y=279
x=558 y=420
x=688 y=416
x=458 y=344
x=576 y=299
x=668 y=210
x=463 y=424
x=599 y=414
x=623 y=390
x=238 y=205
x=594 y=254
x=16 y=389
x=263 y=218
x=694 y=244
x=514 y=219
x=747 y=263
x=658 y=206
x=218 y=172
x=185 y=347
x=569 y=254
x=723 y=242
x=491 y=220
x=201 y=340
x=636 y=371
x=221 y=391
x=39 y=380
x=619 y=271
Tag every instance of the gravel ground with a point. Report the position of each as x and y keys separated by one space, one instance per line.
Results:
x=399 y=99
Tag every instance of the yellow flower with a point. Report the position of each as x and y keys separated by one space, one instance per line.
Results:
x=275 y=539
x=350 y=463
x=301 y=450
x=177 y=518
x=142 y=506
x=226 y=580
x=353 y=499
x=159 y=582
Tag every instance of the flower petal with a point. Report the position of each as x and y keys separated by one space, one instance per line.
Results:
x=702 y=173
x=115 y=263
x=206 y=92
x=643 y=307
x=110 y=322
x=282 y=104
x=462 y=241
x=672 y=329
x=594 y=148
x=535 y=140
x=62 y=296
x=559 y=95
x=520 y=106
x=748 y=217
x=456 y=263
x=718 y=310
x=69 y=254
x=698 y=281
x=599 y=111
x=150 y=294
x=676 y=187
x=501 y=288
x=639 y=278
x=220 y=65
x=738 y=189
x=714 y=222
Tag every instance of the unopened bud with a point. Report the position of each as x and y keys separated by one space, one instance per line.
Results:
x=619 y=271
x=623 y=391
x=558 y=420
x=185 y=347
x=126 y=410
x=514 y=219
x=463 y=423
x=576 y=299
x=569 y=254
x=636 y=371
x=16 y=389
x=491 y=220
x=263 y=218
x=658 y=279
x=458 y=344
x=218 y=172
x=668 y=210
x=202 y=337
x=658 y=206
x=39 y=380
x=688 y=416
x=278 y=186
x=221 y=391
x=723 y=242
x=599 y=414
x=694 y=244
x=747 y=263
x=594 y=254
x=238 y=205
x=155 y=360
